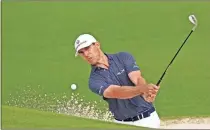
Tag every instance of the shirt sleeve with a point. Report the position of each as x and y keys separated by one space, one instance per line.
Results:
x=129 y=62
x=98 y=85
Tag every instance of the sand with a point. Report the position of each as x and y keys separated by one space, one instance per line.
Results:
x=186 y=123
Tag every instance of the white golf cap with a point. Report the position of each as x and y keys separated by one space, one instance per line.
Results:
x=84 y=40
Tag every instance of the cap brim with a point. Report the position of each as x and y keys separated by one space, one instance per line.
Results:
x=82 y=46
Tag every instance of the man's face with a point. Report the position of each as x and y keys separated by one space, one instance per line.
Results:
x=91 y=54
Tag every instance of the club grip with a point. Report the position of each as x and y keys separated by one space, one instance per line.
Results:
x=158 y=83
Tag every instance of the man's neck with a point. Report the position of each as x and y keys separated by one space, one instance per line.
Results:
x=103 y=62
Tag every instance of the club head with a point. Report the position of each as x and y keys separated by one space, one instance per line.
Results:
x=194 y=21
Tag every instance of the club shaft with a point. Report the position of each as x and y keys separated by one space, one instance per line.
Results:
x=159 y=81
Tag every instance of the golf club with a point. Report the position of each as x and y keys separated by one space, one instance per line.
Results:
x=193 y=20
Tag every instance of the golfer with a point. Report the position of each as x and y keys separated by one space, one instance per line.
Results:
x=117 y=78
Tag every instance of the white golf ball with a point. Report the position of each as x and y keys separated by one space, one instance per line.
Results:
x=73 y=86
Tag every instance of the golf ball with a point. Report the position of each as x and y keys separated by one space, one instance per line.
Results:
x=73 y=86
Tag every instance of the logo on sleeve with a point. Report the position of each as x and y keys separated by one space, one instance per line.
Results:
x=100 y=90
x=135 y=65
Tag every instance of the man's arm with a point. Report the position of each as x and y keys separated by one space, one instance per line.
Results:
x=136 y=78
x=125 y=92
x=102 y=88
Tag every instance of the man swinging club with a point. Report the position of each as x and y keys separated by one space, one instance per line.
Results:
x=117 y=78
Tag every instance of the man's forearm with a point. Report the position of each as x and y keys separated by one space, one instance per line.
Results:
x=141 y=81
x=129 y=92
x=124 y=92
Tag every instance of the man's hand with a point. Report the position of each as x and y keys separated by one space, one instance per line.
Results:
x=151 y=95
x=149 y=89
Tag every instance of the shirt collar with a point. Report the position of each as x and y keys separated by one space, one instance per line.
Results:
x=109 y=56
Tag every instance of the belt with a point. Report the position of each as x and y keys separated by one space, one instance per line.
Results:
x=141 y=116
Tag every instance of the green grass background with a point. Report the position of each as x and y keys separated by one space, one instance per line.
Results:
x=38 y=48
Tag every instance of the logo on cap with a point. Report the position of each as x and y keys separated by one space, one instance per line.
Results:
x=77 y=42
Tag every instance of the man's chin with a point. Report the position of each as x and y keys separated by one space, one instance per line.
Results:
x=92 y=63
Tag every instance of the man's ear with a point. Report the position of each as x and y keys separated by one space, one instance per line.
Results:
x=97 y=44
